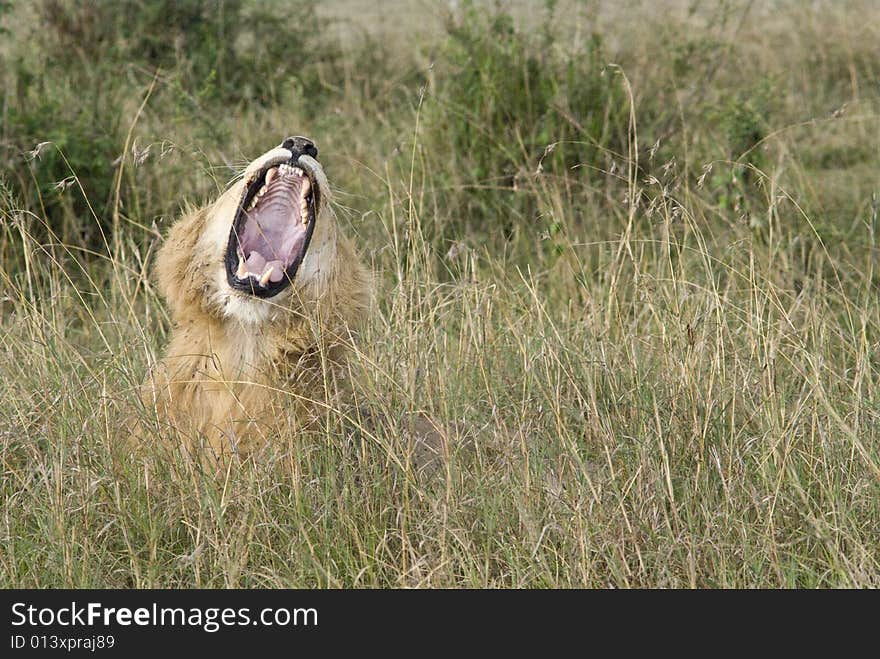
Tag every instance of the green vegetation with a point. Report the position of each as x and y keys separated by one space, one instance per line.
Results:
x=627 y=257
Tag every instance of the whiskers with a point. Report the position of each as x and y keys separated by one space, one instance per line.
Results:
x=340 y=210
x=238 y=167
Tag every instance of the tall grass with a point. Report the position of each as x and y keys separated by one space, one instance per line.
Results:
x=647 y=316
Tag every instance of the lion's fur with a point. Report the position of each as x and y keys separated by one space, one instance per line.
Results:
x=237 y=366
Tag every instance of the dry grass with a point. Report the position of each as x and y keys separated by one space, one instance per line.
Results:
x=665 y=375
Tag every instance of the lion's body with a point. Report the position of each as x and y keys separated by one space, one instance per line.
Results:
x=238 y=366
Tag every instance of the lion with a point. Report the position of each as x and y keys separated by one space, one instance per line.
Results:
x=265 y=294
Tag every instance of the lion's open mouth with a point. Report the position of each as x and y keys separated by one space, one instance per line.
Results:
x=272 y=229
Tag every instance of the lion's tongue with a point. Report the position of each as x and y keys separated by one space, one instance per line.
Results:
x=255 y=262
x=258 y=265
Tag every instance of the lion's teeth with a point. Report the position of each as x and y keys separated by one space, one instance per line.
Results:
x=287 y=170
x=275 y=271
x=241 y=273
x=265 y=278
x=271 y=174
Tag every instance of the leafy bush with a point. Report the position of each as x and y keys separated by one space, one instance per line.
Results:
x=210 y=56
x=79 y=134
x=227 y=50
x=513 y=104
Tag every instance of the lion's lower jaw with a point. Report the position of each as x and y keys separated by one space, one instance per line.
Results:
x=314 y=281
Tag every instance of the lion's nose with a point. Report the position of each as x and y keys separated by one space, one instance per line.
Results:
x=300 y=145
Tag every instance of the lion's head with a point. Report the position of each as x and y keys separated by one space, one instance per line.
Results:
x=267 y=245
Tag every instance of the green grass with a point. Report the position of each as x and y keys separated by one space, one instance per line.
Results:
x=628 y=259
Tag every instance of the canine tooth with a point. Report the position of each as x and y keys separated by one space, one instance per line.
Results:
x=275 y=271
x=271 y=174
x=241 y=273
x=265 y=278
